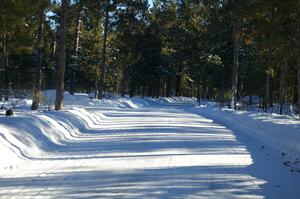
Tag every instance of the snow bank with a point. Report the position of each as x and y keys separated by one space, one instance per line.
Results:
x=9 y=156
x=273 y=132
x=32 y=135
x=51 y=94
x=171 y=100
x=80 y=99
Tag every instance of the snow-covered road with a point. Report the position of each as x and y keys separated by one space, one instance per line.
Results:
x=163 y=151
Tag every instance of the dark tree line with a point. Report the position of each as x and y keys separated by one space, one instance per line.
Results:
x=219 y=50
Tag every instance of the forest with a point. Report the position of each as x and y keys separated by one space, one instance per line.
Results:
x=219 y=50
x=142 y=99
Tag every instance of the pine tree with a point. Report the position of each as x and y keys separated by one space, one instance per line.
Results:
x=103 y=55
x=61 y=55
x=39 y=56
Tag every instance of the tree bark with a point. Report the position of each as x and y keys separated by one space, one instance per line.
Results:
x=19 y=74
x=268 y=73
x=158 y=88
x=103 y=60
x=267 y=92
x=298 y=61
x=61 y=55
x=236 y=43
x=223 y=88
x=178 y=81
x=123 y=84
x=168 y=88
x=281 y=88
x=39 y=64
x=199 y=94
x=76 y=47
x=6 y=70
x=298 y=81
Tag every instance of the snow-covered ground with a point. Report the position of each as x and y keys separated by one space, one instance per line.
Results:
x=147 y=148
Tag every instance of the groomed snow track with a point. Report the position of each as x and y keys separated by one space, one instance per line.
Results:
x=158 y=151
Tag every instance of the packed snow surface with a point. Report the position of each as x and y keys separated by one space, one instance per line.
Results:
x=147 y=148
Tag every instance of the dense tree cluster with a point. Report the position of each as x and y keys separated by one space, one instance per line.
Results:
x=214 y=49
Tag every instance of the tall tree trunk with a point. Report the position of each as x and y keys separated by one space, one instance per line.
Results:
x=6 y=70
x=103 y=59
x=50 y=80
x=268 y=74
x=168 y=88
x=236 y=42
x=267 y=91
x=298 y=61
x=177 y=89
x=158 y=88
x=123 y=84
x=39 y=64
x=240 y=88
x=2 y=66
x=210 y=89
x=61 y=55
x=222 y=88
x=298 y=80
x=199 y=94
x=131 y=91
x=19 y=74
x=143 y=91
x=281 y=88
x=76 y=47
x=6 y=77
x=96 y=90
